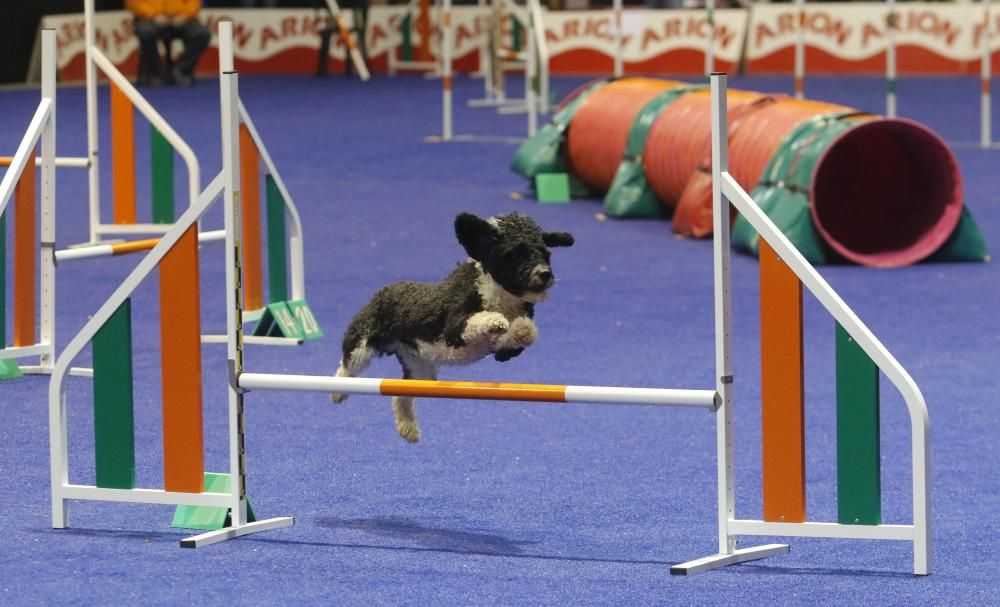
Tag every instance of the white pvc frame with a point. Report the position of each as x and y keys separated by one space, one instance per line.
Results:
x=96 y=59
x=536 y=49
x=725 y=191
x=41 y=128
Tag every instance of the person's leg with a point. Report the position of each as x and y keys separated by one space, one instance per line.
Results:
x=196 y=38
x=150 y=64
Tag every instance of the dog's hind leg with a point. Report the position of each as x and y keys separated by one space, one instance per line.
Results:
x=402 y=406
x=357 y=356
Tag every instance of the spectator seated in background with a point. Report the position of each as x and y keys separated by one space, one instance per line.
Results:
x=165 y=20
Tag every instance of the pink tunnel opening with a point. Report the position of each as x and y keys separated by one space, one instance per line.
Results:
x=886 y=193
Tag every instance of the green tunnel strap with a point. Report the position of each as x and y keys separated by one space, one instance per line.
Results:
x=966 y=242
x=783 y=190
x=114 y=435
x=545 y=153
x=859 y=484
x=277 y=256
x=162 y=159
x=630 y=194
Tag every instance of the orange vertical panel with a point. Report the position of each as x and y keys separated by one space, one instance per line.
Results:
x=253 y=284
x=122 y=156
x=180 y=336
x=782 y=377
x=25 y=255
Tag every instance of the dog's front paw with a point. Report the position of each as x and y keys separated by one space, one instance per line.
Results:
x=338 y=398
x=522 y=333
x=485 y=324
x=408 y=429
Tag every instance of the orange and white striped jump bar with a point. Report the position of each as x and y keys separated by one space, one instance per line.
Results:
x=481 y=390
x=124 y=248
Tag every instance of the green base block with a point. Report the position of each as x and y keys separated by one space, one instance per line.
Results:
x=9 y=370
x=209 y=518
x=288 y=319
x=552 y=188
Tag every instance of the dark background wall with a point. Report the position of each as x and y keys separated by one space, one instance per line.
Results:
x=19 y=21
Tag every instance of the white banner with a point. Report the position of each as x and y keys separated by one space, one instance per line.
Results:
x=854 y=31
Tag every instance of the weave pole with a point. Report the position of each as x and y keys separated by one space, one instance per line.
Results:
x=891 y=23
x=800 y=49
x=710 y=43
x=986 y=77
x=447 y=40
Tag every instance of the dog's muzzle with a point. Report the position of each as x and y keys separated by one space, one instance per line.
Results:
x=541 y=278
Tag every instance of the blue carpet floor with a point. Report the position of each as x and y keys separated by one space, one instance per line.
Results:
x=501 y=503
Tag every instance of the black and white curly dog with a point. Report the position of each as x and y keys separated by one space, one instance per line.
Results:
x=485 y=306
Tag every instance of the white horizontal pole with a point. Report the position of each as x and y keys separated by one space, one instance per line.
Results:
x=227 y=533
x=109 y=250
x=70 y=162
x=132 y=228
x=25 y=351
x=481 y=390
x=144 y=496
x=736 y=557
x=261 y=340
x=828 y=530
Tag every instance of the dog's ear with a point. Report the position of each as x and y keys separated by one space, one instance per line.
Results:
x=476 y=235
x=557 y=239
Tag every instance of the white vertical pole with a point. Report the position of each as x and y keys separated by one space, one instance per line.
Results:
x=986 y=69
x=723 y=315
x=226 y=59
x=93 y=171
x=58 y=455
x=530 y=72
x=447 y=37
x=48 y=202
x=619 y=67
x=229 y=90
x=543 y=55
x=395 y=41
x=800 y=50
x=890 y=60
x=710 y=45
x=485 y=58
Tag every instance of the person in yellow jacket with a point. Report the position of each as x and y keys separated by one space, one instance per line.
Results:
x=157 y=20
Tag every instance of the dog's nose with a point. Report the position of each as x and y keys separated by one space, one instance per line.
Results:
x=545 y=276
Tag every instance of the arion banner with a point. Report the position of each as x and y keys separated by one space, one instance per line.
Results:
x=848 y=37
x=852 y=37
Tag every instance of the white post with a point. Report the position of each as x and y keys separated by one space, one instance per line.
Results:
x=710 y=45
x=447 y=41
x=530 y=72
x=800 y=50
x=890 y=60
x=93 y=171
x=234 y=289
x=542 y=49
x=986 y=69
x=485 y=56
x=226 y=60
x=48 y=203
x=723 y=316
x=617 y=9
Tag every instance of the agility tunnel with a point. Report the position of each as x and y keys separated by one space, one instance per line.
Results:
x=842 y=184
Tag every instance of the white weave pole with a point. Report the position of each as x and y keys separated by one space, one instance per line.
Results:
x=617 y=6
x=800 y=50
x=890 y=61
x=710 y=45
x=447 y=41
x=986 y=73
x=352 y=46
x=530 y=73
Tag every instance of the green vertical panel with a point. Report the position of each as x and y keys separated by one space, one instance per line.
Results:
x=859 y=492
x=515 y=34
x=277 y=252
x=114 y=437
x=3 y=280
x=162 y=155
x=406 y=53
